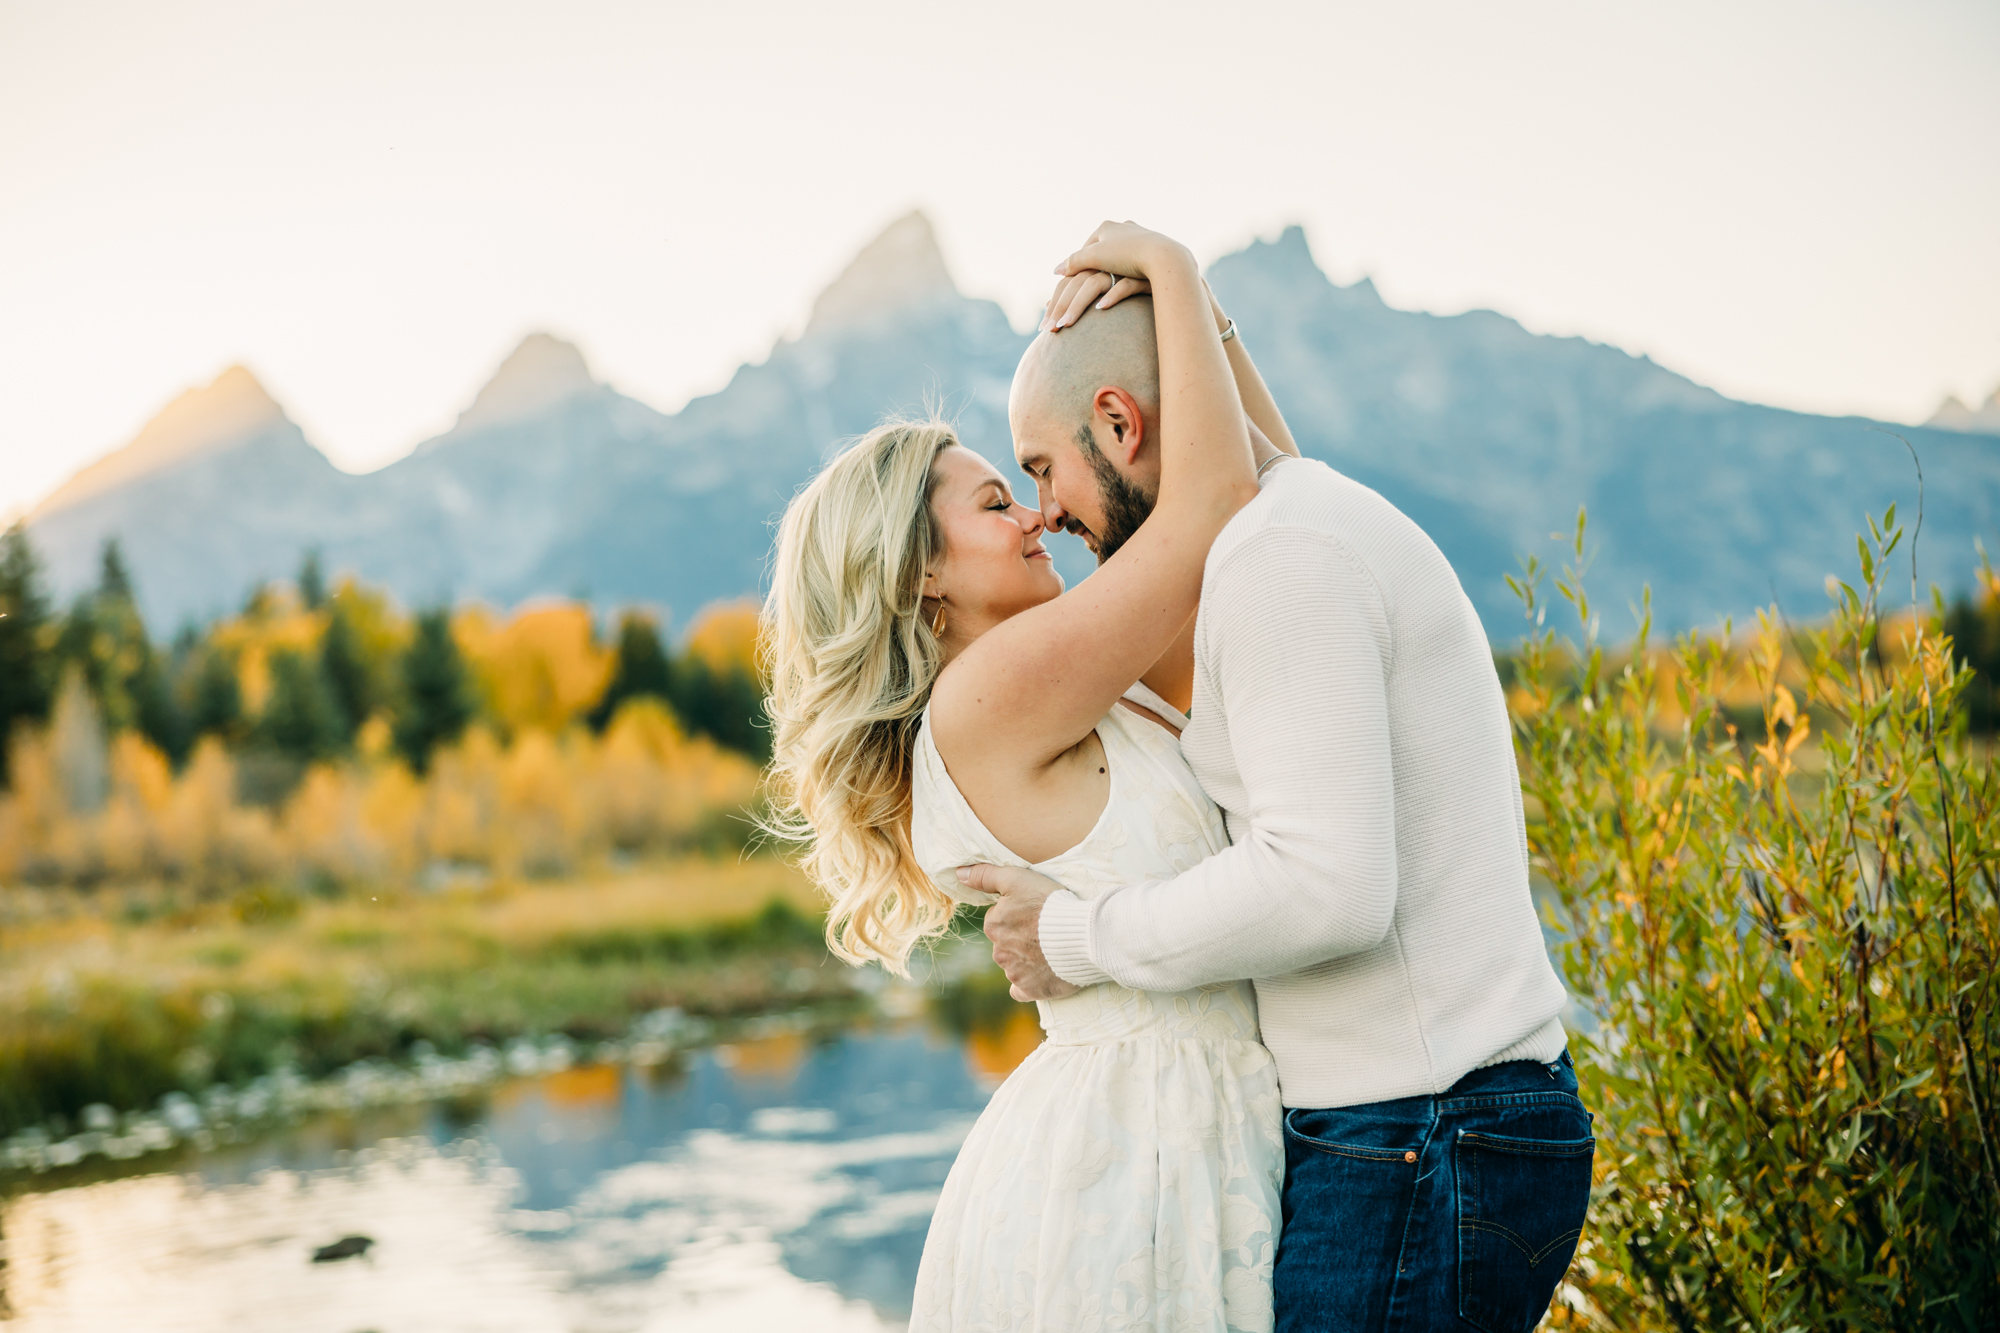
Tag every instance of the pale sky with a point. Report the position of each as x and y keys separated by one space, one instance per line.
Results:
x=369 y=203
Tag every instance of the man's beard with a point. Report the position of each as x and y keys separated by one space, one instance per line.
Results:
x=1125 y=505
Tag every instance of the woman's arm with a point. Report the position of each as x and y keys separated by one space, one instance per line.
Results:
x=1028 y=690
x=1258 y=405
x=1077 y=294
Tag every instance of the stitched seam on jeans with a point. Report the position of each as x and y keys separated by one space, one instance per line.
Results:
x=1530 y=1147
x=1398 y=1289
x=1362 y=1154
x=1504 y=1098
x=1488 y=1101
x=1535 y=1257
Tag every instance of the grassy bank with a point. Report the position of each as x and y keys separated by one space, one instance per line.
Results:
x=119 y=998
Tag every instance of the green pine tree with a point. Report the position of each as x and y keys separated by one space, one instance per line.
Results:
x=345 y=667
x=215 y=707
x=155 y=710
x=133 y=675
x=27 y=668
x=76 y=646
x=641 y=668
x=312 y=583
x=301 y=719
x=1975 y=639
x=114 y=582
x=104 y=637
x=726 y=705
x=179 y=663
x=437 y=691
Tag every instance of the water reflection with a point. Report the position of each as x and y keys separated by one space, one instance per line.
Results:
x=777 y=1182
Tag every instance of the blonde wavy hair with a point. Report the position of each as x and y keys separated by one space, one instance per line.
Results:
x=852 y=660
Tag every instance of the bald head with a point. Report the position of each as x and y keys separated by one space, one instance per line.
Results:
x=1062 y=372
x=1085 y=405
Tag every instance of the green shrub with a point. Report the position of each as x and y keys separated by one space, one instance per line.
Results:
x=1788 y=952
x=264 y=904
x=92 y=1045
x=126 y=1040
x=777 y=926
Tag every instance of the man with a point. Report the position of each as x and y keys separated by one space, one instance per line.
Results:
x=1348 y=720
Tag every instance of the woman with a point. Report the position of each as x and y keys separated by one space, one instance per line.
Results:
x=938 y=699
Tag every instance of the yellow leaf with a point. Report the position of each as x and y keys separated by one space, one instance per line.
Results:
x=1786 y=709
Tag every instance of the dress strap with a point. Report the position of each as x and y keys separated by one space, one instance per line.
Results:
x=1152 y=702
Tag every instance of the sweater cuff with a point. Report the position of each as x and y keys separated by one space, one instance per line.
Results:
x=1065 y=928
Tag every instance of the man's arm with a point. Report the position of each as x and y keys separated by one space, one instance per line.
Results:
x=1299 y=649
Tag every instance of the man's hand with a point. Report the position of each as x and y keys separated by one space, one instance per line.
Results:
x=1014 y=924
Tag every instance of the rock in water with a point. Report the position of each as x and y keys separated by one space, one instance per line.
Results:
x=344 y=1248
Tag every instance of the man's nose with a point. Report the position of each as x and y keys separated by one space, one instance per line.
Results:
x=1053 y=515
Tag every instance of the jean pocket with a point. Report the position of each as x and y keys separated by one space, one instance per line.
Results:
x=1317 y=1130
x=1521 y=1207
x=1350 y=1184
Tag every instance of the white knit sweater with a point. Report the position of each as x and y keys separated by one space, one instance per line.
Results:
x=1348 y=720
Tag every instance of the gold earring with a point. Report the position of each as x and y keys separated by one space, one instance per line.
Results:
x=937 y=621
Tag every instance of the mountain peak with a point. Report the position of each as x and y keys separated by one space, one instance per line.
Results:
x=539 y=373
x=1292 y=243
x=221 y=414
x=1290 y=254
x=1981 y=420
x=1287 y=265
x=901 y=269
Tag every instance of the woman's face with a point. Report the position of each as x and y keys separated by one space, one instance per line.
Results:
x=993 y=565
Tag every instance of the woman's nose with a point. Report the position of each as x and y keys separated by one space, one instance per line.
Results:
x=1035 y=522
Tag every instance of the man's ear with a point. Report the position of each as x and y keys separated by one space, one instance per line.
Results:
x=1122 y=415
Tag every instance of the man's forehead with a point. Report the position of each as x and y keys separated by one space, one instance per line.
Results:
x=1031 y=440
x=1030 y=376
x=1026 y=406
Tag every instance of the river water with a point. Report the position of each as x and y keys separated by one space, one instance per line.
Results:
x=784 y=1182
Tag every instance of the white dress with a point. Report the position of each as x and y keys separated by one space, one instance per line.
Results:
x=1127 y=1175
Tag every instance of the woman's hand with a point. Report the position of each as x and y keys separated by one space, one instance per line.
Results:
x=1080 y=291
x=1130 y=251
x=1096 y=289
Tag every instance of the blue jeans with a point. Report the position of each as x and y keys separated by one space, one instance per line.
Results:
x=1457 y=1211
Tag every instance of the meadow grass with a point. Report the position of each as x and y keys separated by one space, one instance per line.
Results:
x=120 y=998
